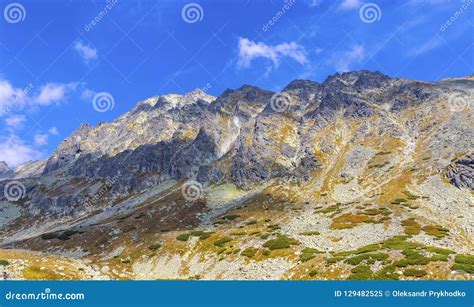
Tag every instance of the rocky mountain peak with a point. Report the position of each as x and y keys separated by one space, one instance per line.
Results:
x=4 y=167
x=172 y=101
x=362 y=78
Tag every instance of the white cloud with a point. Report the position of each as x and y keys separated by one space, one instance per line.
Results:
x=41 y=139
x=86 y=52
x=15 y=152
x=15 y=121
x=353 y=56
x=52 y=93
x=250 y=50
x=350 y=4
x=87 y=94
x=10 y=97
x=53 y=131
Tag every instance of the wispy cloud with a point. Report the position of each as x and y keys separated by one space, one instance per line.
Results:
x=41 y=139
x=86 y=52
x=52 y=93
x=425 y=47
x=347 y=59
x=350 y=4
x=10 y=96
x=250 y=50
x=15 y=122
x=53 y=131
x=15 y=152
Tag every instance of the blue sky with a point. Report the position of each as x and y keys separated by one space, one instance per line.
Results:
x=54 y=60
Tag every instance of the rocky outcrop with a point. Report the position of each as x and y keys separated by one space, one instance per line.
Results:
x=461 y=172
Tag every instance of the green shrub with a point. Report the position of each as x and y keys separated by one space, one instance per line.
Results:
x=265 y=236
x=414 y=272
x=230 y=217
x=361 y=272
x=183 y=237
x=401 y=263
x=410 y=195
x=197 y=233
x=438 y=250
x=154 y=247
x=371 y=258
x=249 y=252
x=334 y=260
x=435 y=231
x=415 y=258
x=252 y=222
x=308 y=254
x=125 y=261
x=221 y=242
x=463 y=267
x=439 y=258
x=387 y=273
x=313 y=273
x=49 y=236
x=238 y=234
x=66 y=235
x=280 y=242
x=367 y=249
x=4 y=262
x=465 y=259
x=400 y=243
x=274 y=227
x=205 y=235
x=411 y=226
x=266 y=253
x=310 y=233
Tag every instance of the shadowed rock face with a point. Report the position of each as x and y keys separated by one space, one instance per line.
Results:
x=335 y=166
x=4 y=170
x=461 y=172
x=239 y=137
x=195 y=134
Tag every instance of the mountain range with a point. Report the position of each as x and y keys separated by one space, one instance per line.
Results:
x=362 y=176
